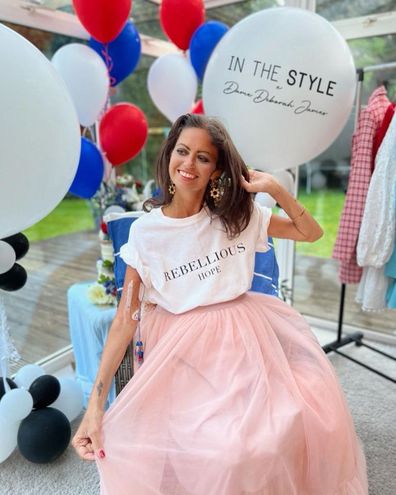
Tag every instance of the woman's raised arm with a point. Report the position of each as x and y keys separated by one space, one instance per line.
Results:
x=300 y=226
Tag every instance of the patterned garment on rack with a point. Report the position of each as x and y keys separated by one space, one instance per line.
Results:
x=377 y=232
x=370 y=120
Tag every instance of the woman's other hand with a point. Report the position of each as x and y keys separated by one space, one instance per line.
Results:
x=88 y=438
x=260 y=182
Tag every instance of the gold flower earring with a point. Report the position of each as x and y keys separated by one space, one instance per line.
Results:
x=214 y=192
x=171 y=189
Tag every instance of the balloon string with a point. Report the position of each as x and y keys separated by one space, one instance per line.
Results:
x=109 y=63
x=7 y=349
x=4 y=374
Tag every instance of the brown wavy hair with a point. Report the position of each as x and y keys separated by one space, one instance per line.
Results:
x=235 y=206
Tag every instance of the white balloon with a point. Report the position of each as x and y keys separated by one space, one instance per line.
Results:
x=39 y=135
x=286 y=179
x=8 y=437
x=283 y=82
x=172 y=85
x=86 y=77
x=26 y=375
x=264 y=199
x=318 y=180
x=16 y=404
x=114 y=209
x=7 y=257
x=71 y=398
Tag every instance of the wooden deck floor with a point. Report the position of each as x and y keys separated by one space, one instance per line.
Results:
x=37 y=314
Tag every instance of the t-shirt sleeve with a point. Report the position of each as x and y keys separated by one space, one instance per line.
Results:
x=264 y=216
x=130 y=253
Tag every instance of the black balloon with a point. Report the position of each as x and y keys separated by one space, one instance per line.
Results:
x=44 y=435
x=14 y=279
x=20 y=243
x=45 y=390
x=10 y=382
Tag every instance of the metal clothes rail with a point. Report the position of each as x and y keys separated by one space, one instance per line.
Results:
x=357 y=337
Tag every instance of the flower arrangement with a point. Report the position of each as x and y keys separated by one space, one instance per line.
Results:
x=124 y=191
x=104 y=290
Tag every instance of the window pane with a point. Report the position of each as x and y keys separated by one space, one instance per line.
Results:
x=45 y=41
x=37 y=313
x=322 y=187
x=334 y=10
x=373 y=51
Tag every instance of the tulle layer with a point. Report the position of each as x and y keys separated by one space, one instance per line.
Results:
x=237 y=398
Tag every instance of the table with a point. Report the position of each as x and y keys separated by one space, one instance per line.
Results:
x=88 y=326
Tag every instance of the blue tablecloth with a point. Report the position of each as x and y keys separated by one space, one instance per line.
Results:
x=88 y=325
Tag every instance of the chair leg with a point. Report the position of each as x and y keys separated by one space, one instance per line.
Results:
x=125 y=370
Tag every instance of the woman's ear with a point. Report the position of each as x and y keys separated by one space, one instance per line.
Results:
x=216 y=174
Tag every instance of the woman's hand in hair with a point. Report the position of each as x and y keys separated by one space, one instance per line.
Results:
x=260 y=182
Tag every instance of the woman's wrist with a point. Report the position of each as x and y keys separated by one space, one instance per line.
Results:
x=273 y=188
x=299 y=215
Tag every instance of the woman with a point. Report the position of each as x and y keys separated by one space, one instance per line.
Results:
x=235 y=395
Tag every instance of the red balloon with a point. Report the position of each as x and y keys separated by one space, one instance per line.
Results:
x=123 y=132
x=180 y=18
x=103 y=19
x=198 y=107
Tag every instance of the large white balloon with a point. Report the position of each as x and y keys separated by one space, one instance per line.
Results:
x=283 y=82
x=39 y=135
x=286 y=179
x=172 y=85
x=86 y=77
x=7 y=257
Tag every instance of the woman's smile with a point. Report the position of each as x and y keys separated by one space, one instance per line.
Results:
x=186 y=175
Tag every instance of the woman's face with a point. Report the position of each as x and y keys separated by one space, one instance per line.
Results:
x=193 y=161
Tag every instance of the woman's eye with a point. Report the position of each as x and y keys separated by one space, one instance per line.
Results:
x=203 y=159
x=181 y=151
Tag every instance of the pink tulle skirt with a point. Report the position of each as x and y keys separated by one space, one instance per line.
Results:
x=237 y=398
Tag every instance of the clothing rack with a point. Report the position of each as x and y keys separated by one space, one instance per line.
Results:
x=357 y=337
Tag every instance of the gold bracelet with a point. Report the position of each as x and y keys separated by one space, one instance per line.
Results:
x=299 y=215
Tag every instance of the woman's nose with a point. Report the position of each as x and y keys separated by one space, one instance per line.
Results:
x=189 y=161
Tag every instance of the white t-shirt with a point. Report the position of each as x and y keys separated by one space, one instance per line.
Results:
x=189 y=262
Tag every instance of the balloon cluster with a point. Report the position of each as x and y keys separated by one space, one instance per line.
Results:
x=173 y=79
x=265 y=78
x=89 y=72
x=42 y=433
x=12 y=275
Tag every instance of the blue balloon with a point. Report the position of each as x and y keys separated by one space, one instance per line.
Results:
x=121 y=55
x=202 y=44
x=89 y=172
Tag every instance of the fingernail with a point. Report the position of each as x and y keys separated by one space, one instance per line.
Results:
x=102 y=454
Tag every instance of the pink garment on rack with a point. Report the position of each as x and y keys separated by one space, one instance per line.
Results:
x=369 y=122
x=382 y=130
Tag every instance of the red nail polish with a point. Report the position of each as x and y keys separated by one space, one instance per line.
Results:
x=102 y=454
